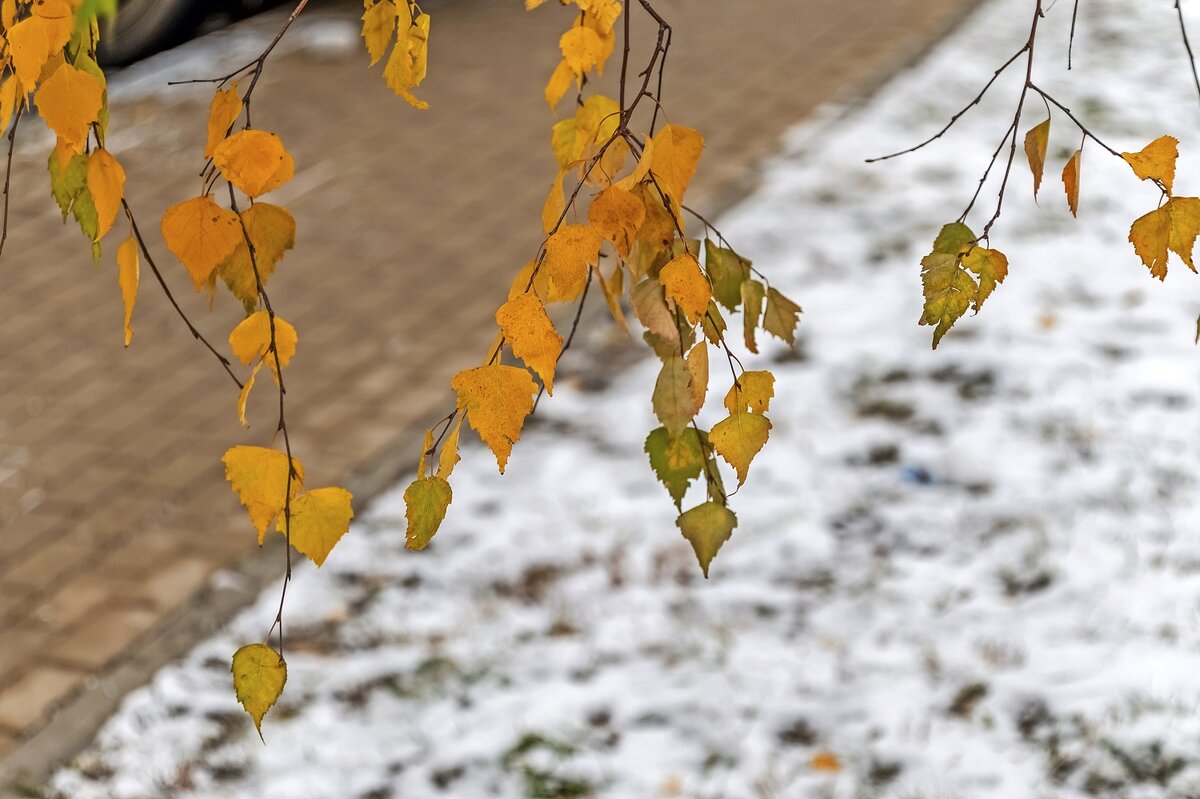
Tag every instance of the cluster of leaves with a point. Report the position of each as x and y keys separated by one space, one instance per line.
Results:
x=632 y=240
x=960 y=273
x=402 y=22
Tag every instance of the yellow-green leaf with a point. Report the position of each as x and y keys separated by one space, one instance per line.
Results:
x=781 y=316
x=273 y=231
x=673 y=400
x=707 y=527
x=425 y=503
x=753 y=293
x=676 y=460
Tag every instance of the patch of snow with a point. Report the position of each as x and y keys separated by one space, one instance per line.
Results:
x=970 y=573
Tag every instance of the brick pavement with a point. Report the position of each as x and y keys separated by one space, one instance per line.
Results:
x=114 y=512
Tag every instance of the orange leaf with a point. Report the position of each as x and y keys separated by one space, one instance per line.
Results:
x=224 y=111
x=254 y=161
x=497 y=399
x=1070 y=177
x=202 y=234
x=1037 y=140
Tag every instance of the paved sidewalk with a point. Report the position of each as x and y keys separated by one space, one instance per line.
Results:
x=114 y=512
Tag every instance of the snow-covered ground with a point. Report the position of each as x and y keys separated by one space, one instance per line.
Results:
x=971 y=573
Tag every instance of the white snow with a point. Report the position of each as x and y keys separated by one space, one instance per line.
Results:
x=1006 y=526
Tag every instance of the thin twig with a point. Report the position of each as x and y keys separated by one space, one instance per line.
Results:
x=1188 y=45
x=12 y=143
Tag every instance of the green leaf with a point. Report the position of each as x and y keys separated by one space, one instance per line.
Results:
x=65 y=184
x=952 y=238
x=727 y=271
x=259 y=674
x=425 y=503
x=677 y=461
x=753 y=293
x=707 y=527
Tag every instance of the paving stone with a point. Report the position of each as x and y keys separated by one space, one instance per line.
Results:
x=113 y=508
x=35 y=694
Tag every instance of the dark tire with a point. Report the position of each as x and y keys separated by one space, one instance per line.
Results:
x=143 y=27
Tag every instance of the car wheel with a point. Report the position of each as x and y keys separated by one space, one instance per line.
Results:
x=143 y=27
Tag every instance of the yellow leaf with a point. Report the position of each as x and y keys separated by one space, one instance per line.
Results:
x=244 y=394
x=1156 y=161
x=449 y=457
x=552 y=209
x=319 y=519
x=603 y=13
x=752 y=392
x=272 y=229
x=676 y=152
x=531 y=335
x=582 y=49
x=127 y=279
x=1036 y=142
x=259 y=674
x=70 y=102
x=1150 y=236
x=739 y=438
x=707 y=527
x=425 y=503
x=106 y=182
x=658 y=229
x=202 y=234
x=1070 y=177
x=526 y=280
x=8 y=101
x=560 y=81
x=990 y=267
x=687 y=286
x=613 y=287
x=29 y=44
x=378 y=28
x=641 y=169
x=1185 y=226
x=497 y=399
x=251 y=160
x=593 y=124
x=259 y=475
x=568 y=253
x=58 y=18
x=251 y=339
x=617 y=214
x=222 y=113
x=406 y=65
